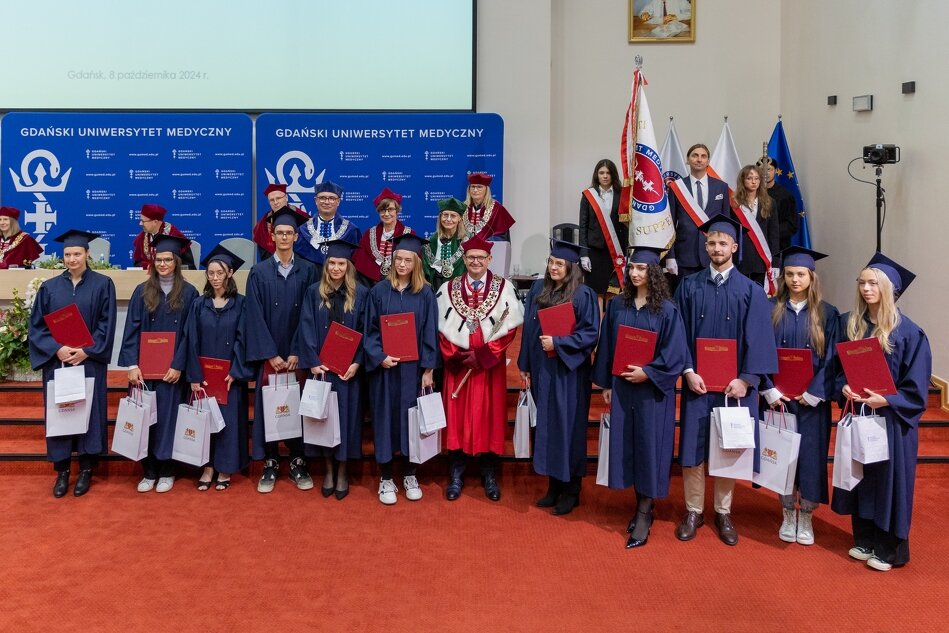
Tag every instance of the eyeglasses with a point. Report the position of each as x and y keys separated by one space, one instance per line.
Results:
x=327 y=199
x=476 y=258
x=164 y=260
x=215 y=274
x=388 y=210
x=285 y=233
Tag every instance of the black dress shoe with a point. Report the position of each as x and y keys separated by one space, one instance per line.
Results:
x=61 y=487
x=341 y=494
x=83 y=482
x=567 y=503
x=632 y=541
x=328 y=492
x=690 y=523
x=453 y=491
x=726 y=530
x=491 y=489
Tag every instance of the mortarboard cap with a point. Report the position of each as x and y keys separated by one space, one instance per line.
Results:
x=286 y=216
x=170 y=244
x=900 y=277
x=721 y=223
x=644 y=254
x=409 y=242
x=226 y=257
x=800 y=256
x=340 y=248
x=73 y=237
x=565 y=250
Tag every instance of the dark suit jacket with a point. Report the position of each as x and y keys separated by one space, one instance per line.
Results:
x=787 y=213
x=689 y=247
x=591 y=235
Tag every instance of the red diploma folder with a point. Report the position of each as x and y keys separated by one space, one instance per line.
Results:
x=795 y=371
x=398 y=336
x=155 y=351
x=68 y=328
x=865 y=366
x=633 y=347
x=339 y=348
x=716 y=361
x=557 y=320
x=215 y=371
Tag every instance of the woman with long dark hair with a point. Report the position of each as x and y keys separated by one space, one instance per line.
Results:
x=881 y=505
x=161 y=304
x=560 y=382
x=601 y=232
x=642 y=397
x=94 y=295
x=336 y=298
x=215 y=332
x=802 y=320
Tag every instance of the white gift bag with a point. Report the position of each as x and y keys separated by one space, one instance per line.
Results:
x=217 y=418
x=778 y=451
x=531 y=407
x=870 y=444
x=522 y=427
x=150 y=401
x=71 y=418
x=422 y=447
x=735 y=463
x=281 y=412
x=603 y=454
x=70 y=384
x=192 y=434
x=781 y=418
x=324 y=431
x=315 y=398
x=847 y=471
x=282 y=379
x=131 y=427
x=431 y=408
x=736 y=427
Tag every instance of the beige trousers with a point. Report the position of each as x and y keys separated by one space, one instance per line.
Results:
x=693 y=480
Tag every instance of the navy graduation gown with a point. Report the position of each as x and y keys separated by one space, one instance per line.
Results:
x=813 y=423
x=642 y=415
x=272 y=313
x=739 y=310
x=394 y=391
x=219 y=333
x=314 y=325
x=138 y=319
x=94 y=295
x=560 y=385
x=885 y=495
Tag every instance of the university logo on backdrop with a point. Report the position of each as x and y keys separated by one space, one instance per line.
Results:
x=40 y=173
x=296 y=170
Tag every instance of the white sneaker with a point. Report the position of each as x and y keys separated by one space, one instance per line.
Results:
x=387 y=490
x=165 y=484
x=860 y=553
x=788 y=531
x=805 y=528
x=146 y=485
x=412 y=491
x=878 y=564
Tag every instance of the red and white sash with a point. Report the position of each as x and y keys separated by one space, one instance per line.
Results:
x=747 y=218
x=688 y=202
x=606 y=226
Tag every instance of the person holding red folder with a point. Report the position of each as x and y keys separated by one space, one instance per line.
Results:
x=719 y=303
x=804 y=322
x=395 y=383
x=478 y=317
x=642 y=398
x=560 y=384
x=160 y=305
x=215 y=332
x=94 y=295
x=336 y=298
x=881 y=505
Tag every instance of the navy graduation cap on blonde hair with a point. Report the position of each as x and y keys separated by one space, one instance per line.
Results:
x=409 y=242
x=340 y=248
x=899 y=276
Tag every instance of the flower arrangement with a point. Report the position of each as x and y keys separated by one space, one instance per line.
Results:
x=14 y=326
x=54 y=262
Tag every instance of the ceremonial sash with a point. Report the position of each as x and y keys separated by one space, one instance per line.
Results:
x=747 y=219
x=688 y=202
x=612 y=244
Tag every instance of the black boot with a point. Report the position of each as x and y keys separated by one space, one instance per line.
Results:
x=554 y=488
x=570 y=498
x=488 y=478
x=62 y=484
x=456 y=474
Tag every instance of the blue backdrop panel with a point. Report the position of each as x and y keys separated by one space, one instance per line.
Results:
x=424 y=157
x=94 y=171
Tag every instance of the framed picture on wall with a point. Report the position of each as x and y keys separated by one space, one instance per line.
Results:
x=662 y=20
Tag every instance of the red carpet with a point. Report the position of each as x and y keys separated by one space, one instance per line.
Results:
x=117 y=560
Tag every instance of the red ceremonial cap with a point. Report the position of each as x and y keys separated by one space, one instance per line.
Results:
x=387 y=193
x=477 y=244
x=9 y=212
x=153 y=212
x=275 y=187
x=480 y=179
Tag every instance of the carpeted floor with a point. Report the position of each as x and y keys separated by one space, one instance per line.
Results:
x=117 y=560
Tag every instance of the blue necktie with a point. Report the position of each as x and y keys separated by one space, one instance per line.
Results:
x=698 y=194
x=476 y=284
x=719 y=279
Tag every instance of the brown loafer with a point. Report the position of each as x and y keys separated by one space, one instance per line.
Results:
x=690 y=523
x=726 y=531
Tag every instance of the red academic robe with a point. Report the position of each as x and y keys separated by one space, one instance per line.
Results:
x=143 y=253
x=477 y=419
x=365 y=260
x=20 y=250
x=486 y=223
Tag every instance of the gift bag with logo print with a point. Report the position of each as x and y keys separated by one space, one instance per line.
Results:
x=131 y=427
x=848 y=472
x=324 y=431
x=282 y=412
x=70 y=418
x=192 y=434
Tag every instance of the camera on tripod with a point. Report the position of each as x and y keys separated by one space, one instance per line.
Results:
x=881 y=154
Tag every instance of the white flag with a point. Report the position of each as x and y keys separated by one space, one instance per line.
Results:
x=650 y=221
x=673 y=163
x=725 y=163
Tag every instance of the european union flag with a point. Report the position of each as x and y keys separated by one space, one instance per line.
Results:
x=785 y=176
